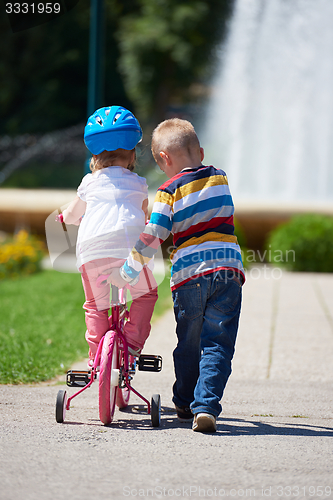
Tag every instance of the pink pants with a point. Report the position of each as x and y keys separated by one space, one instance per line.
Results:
x=97 y=305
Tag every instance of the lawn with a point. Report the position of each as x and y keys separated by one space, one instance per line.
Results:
x=42 y=325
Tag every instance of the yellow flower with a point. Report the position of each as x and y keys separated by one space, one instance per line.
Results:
x=20 y=255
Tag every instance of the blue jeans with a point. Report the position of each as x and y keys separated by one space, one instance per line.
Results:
x=207 y=312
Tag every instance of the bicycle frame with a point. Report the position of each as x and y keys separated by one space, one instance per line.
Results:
x=116 y=323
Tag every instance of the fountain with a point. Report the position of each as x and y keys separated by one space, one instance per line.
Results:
x=269 y=123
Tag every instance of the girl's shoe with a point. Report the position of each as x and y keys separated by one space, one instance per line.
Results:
x=134 y=352
x=204 y=422
x=90 y=365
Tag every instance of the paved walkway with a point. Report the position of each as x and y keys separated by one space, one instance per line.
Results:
x=274 y=438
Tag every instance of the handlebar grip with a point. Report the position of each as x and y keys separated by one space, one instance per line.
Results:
x=60 y=218
x=102 y=280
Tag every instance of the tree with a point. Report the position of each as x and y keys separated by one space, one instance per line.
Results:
x=155 y=51
x=165 y=47
x=44 y=72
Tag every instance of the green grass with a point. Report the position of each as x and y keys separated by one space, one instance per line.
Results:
x=42 y=325
x=164 y=301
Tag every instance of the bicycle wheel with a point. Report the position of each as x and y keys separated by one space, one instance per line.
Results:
x=108 y=377
x=155 y=410
x=61 y=406
x=123 y=394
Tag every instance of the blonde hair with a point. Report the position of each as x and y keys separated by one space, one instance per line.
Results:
x=172 y=135
x=111 y=158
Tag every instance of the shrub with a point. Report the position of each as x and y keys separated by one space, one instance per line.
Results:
x=20 y=255
x=241 y=237
x=305 y=243
x=239 y=232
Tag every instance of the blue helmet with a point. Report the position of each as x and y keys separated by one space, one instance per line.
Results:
x=111 y=128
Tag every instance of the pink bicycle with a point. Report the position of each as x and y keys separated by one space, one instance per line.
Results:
x=114 y=368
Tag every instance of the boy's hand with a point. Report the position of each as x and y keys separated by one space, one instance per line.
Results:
x=116 y=279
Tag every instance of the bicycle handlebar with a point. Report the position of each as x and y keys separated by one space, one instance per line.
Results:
x=117 y=294
x=102 y=280
x=59 y=218
x=114 y=293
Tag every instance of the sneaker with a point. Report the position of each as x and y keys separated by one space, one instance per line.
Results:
x=134 y=352
x=184 y=414
x=91 y=365
x=204 y=422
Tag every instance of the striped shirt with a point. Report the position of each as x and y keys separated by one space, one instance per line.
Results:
x=197 y=208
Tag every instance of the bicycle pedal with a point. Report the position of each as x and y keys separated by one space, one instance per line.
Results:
x=150 y=363
x=78 y=378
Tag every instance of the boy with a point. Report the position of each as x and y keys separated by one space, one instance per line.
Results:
x=207 y=274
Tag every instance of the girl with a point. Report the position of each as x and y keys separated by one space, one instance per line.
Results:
x=111 y=209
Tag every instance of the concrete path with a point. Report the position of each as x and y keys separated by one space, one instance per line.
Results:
x=274 y=437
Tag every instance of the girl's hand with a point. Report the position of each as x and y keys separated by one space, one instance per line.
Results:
x=116 y=279
x=74 y=212
x=60 y=218
x=102 y=280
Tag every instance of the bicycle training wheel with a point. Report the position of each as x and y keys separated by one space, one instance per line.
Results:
x=61 y=404
x=155 y=410
x=123 y=393
x=108 y=377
